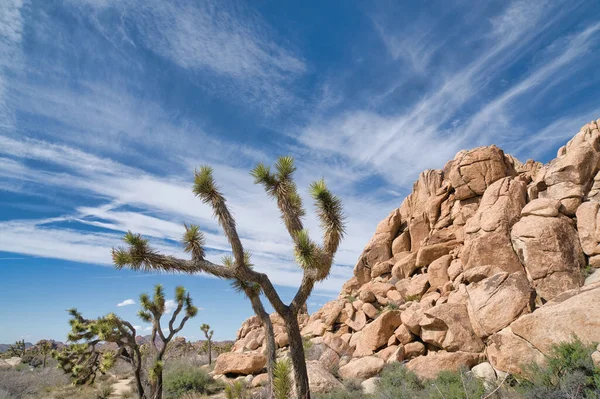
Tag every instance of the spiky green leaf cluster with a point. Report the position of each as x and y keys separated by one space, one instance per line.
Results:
x=331 y=214
x=282 y=381
x=193 y=241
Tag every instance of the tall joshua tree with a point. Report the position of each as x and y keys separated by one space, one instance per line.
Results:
x=208 y=333
x=315 y=259
x=152 y=311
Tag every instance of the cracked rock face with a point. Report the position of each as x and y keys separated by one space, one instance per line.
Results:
x=482 y=260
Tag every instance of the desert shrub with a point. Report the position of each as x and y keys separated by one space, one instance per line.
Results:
x=24 y=383
x=282 y=382
x=397 y=382
x=342 y=393
x=104 y=391
x=569 y=372
x=4 y=394
x=455 y=385
x=180 y=379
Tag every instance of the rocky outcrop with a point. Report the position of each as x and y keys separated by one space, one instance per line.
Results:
x=482 y=261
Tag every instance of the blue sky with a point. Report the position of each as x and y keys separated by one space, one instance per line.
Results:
x=106 y=107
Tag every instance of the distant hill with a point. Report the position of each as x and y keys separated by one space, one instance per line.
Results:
x=4 y=347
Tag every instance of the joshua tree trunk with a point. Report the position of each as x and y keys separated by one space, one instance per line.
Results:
x=297 y=354
x=269 y=337
x=138 y=374
x=209 y=352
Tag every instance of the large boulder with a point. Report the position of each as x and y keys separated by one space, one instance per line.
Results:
x=377 y=333
x=379 y=249
x=361 y=369
x=549 y=249
x=588 y=227
x=568 y=177
x=320 y=379
x=472 y=172
x=487 y=233
x=447 y=327
x=510 y=353
x=429 y=366
x=240 y=363
x=495 y=302
x=576 y=312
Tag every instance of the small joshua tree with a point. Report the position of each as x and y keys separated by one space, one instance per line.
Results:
x=152 y=311
x=83 y=360
x=208 y=333
x=44 y=347
x=17 y=349
x=314 y=259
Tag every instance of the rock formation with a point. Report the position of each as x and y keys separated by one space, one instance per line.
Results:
x=484 y=261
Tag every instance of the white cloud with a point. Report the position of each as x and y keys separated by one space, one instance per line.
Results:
x=126 y=302
x=170 y=306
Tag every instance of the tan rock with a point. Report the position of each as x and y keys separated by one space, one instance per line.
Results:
x=358 y=322
x=396 y=356
x=329 y=358
x=447 y=326
x=593 y=278
x=315 y=328
x=320 y=379
x=240 y=363
x=395 y=296
x=376 y=334
x=370 y=386
x=367 y=296
x=508 y=352
x=401 y=243
x=413 y=288
x=472 y=172
x=260 y=380
x=455 y=269
x=550 y=251
x=596 y=358
x=546 y=207
x=411 y=318
x=567 y=177
x=497 y=301
x=429 y=253
x=589 y=228
x=386 y=352
x=403 y=335
x=338 y=344
x=362 y=368
x=405 y=266
x=382 y=268
x=370 y=310
x=429 y=366
x=380 y=288
x=414 y=349
x=576 y=312
x=487 y=237
x=437 y=272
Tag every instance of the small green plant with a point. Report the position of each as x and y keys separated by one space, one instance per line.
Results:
x=587 y=271
x=236 y=390
x=399 y=382
x=392 y=306
x=307 y=344
x=282 y=383
x=413 y=298
x=351 y=298
x=104 y=391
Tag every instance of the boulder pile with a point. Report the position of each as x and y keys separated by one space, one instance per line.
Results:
x=488 y=260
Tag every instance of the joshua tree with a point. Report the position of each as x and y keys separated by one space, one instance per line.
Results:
x=17 y=349
x=152 y=311
x=314 y=259
x=83 y=359
x=208 y=333
x=44 y=348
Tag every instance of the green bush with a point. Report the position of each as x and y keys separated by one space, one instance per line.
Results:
x=455 y=385
x=237 y=390
x=569 y=373
x=180 y=380
x=398 y=382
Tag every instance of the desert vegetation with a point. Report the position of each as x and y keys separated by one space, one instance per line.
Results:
x=315 y=259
